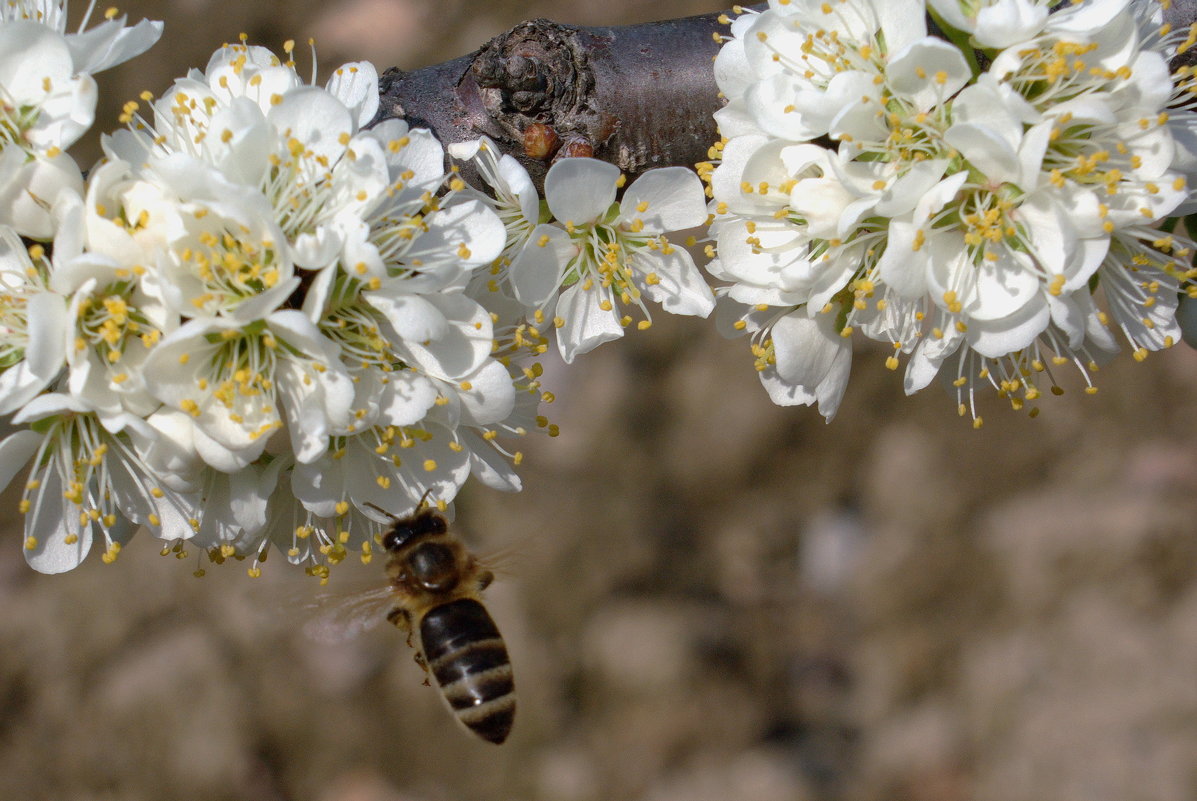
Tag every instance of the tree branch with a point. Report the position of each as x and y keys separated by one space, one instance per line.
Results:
x=638 y=96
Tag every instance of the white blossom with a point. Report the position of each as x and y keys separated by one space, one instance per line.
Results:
x=607 y=257
x=87 y=480
x=963 y=217
x=32 y=320
x=48 y=100
x=254 y=332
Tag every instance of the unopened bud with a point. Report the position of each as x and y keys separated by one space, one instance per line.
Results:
x=540 y=141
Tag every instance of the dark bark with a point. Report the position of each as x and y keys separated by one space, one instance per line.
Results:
x=638 y=96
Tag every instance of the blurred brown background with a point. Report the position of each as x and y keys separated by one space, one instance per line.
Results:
x=716 y=598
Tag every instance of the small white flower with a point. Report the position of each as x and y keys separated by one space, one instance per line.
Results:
x=92 y=49
x=48 y=100
x=32 y=186
x=995 y=23
x=32 y=321
x=234 y=516
x=217 y=250
x=800 y=360
x=514 y=196
x=87 y=480
x=240 y=384
x=387 y=466
x=611 y=255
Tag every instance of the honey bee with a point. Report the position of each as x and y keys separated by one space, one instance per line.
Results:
x=436 y=586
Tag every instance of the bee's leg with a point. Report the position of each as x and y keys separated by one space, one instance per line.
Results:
x=423 y=663
x=400 y=619
x=484 y=579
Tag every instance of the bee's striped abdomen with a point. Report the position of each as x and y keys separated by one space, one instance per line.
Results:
x=466 y=654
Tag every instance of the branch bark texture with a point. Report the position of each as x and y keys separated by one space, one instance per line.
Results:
x=638 y=96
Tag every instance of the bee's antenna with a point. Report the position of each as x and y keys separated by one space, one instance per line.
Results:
x=380 y=510
x=423 y=498
x=421 y=506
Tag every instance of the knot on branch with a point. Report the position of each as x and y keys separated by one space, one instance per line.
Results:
x=536 y=73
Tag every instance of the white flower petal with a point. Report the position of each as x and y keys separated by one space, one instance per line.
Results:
x=813 y=361
x=224 y=458
x=488 y=465
x=736 y=119
x=15 y=451
x=1001 y=289
x=46 y=351
x=29 y=188
x=671 y=197
x=33 y=54
x=51 y=521
x=1086 y=18
x=111 y=43
x=680 y=288
x=315 y=118
x=356 y=86
x=821 y=201
x=990 y=153
x=1069 y=315
x=928 y=71
x=996 y=338
x=937 y=197
x=463 y=346
x=586 y=325
x=901 y=267
x=466 y=232
x=536 y=271
x=412 y=317
x=491 y=396
x=520 y=184
x=901 y=195
x=1008 y=22
x=308 y=407
x=406 y=398
x=902 y=22
x=422 y=154
x=580 y=190
x=927 y=357
x=170 y=453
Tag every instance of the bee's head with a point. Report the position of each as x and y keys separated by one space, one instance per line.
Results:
x=411 y=529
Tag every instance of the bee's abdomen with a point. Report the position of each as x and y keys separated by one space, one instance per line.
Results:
x=466 y=654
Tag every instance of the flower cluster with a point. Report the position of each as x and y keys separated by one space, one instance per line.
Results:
x=49 y=100
x=587 y=263
x=253 y=330
x=266 y=322
x=988 y=222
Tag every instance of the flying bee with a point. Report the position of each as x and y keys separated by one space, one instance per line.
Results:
x=436 y=586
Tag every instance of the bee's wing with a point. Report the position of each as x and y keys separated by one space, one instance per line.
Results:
x=509 y=559
x=503 y=563
x=334 y=617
